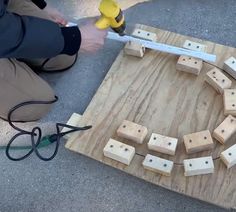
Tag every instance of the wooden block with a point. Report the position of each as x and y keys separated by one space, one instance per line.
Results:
x=198 y=166
x=139 y=33
x=194 y=46
x=73 y=121
x=229 y=156
x=230 y=101
x=158 y=165
x=218 y=80
x=230 y=66
x=189 y=65
x=132 y=131
x=163 y=144
x=199 y=141
x=225 y=130
x=119 y=151
x=134 y=49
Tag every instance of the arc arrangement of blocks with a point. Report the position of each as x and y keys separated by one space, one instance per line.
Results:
x=195 y=142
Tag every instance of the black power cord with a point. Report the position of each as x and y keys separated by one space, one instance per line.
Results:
x=36 y=134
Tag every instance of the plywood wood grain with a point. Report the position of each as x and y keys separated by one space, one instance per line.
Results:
x=152 y=93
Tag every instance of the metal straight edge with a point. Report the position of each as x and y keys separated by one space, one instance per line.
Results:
x=163 y=47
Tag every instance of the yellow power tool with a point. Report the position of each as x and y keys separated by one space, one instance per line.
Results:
x=111 y=16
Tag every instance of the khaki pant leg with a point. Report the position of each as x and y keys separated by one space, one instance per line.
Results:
x=18 y=83
x=58 y=63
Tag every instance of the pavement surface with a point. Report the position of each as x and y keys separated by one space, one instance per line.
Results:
x=72 y=182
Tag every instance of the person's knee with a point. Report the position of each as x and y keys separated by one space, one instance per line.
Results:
x=28 y=112
x=59 y=63
x=31 y=112
x=19 y=84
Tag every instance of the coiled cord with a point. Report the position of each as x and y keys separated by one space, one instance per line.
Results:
x=36 y=134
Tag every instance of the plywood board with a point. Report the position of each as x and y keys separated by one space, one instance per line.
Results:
x=152 y=93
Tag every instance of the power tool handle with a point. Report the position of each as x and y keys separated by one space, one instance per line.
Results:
x=102 y=23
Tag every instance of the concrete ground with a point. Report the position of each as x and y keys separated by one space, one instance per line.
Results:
x=72 y=182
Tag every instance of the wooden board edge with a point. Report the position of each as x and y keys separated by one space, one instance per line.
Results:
x=147 y=181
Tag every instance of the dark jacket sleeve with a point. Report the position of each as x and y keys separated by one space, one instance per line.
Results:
x=30 y=37
x=40 y=3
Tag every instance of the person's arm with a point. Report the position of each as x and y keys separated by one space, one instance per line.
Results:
x=30 y=37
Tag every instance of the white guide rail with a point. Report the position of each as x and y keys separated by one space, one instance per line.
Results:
x=163 y=47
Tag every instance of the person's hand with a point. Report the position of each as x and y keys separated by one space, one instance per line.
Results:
x=92 y=38
x=56 y=16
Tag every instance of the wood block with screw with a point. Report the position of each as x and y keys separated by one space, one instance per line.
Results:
x=230 y=66
x=134 y=49
x=198 y=166
x=119 y=151
x=139 y=33
x=132 y=131
x=229 y=156
x=189 y=65
x=199 y=141
x=158 y=165
x=218 y=80
x=194 y=46
x=163 y=144
x=225 y=130
x=229 y=101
